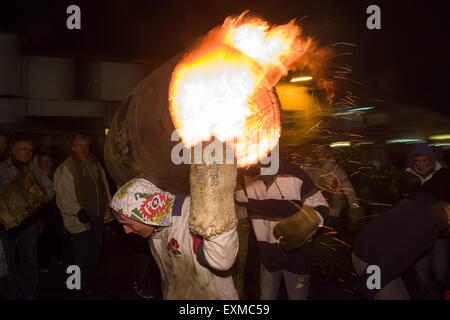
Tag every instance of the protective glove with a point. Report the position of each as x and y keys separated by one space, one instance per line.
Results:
x=293 y=232
x=83 y=216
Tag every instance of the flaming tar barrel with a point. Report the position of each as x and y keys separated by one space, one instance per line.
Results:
x=222 y=87
x=139 y=144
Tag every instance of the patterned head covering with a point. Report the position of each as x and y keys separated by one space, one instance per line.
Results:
x=142 y=201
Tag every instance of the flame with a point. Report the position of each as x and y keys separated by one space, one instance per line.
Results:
x=223 y=87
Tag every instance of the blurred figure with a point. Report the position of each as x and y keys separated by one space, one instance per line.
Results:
x=393 y=242
x=45 y=147
x=285 y=209
x=439 y=156
x=46 y=163
x=425 y=174
x=50 y=239
x=335 y=185
x=377 y=182
x=22 y=241
x=82 y=195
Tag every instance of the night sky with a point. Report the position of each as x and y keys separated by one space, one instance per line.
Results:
x=406 y=61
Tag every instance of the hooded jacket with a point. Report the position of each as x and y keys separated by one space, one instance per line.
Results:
x=437 y=180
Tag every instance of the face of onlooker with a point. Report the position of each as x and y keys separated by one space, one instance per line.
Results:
x=22 y=151
x=46 y=163
x=81 y=149
x=422 y=163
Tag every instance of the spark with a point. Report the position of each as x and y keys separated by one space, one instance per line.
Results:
x=356 y=172
x=381 y=204
x=327 y=246
x=349 y=291
x=317 y=125
x=344 y=43
x=344 y=243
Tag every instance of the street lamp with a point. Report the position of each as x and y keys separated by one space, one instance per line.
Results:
x=298 y=79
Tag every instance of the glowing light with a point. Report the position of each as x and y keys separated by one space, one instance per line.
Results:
x=405 y=141
x=353 y=110
x=361 y=109
x=340 y=144
x=106 y=131
x=365 y=143
x=440 y=137
x=440 y=145
x=301 y=79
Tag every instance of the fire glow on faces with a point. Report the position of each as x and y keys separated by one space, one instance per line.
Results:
x=223 y=87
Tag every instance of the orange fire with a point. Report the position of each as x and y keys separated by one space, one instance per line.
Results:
x=223 y=87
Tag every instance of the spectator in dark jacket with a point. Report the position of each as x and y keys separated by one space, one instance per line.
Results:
x=408 y=232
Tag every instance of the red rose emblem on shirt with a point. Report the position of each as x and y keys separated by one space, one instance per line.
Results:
x=174 y=244
x=173 y=247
